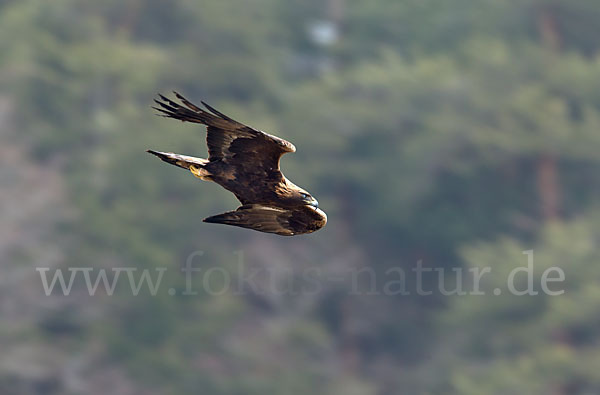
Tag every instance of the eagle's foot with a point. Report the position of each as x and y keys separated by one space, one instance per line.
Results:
x=200 y=173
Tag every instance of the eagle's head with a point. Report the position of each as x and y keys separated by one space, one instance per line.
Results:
x=299 y=197
x=294 y=196
x=307 y=199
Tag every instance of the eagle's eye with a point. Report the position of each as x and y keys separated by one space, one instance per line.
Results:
x=307 y=199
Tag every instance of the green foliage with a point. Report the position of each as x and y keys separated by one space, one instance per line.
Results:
x=423 y=130
x=541 y=343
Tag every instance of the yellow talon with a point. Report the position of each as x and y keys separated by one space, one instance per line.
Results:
x=196 y=171
x=199 y=172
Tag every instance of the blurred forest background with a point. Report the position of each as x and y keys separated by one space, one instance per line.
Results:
x=457 y=133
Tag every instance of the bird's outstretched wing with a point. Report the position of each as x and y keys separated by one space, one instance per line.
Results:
x=271 y=219
x=228 y=140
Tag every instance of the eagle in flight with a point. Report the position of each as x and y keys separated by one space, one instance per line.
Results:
x=245 y=161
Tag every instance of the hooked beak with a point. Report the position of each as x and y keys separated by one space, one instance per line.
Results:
x=313 y=202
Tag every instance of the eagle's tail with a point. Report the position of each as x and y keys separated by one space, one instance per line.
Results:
x=195 y=165
x=182 y=161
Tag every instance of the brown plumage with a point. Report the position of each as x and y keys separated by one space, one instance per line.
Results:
x=245 y=161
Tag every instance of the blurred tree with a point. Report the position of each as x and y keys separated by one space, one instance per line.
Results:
x=424 y=128
x=539 y=344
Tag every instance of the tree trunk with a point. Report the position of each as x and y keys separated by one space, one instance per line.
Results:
x=547 y=164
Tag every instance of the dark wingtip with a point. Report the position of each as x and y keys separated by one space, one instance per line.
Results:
x=163 y=111
x=187 y=103
x=216 y=112
x=163 y=105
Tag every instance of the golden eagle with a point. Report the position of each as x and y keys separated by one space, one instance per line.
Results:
x=245 y=161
